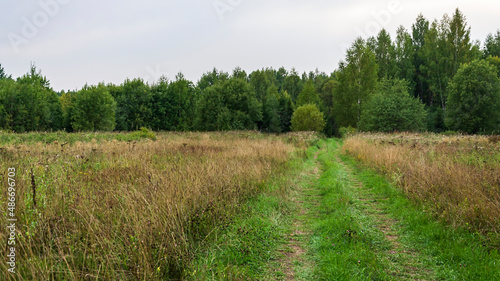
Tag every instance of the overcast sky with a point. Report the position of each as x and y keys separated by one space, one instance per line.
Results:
x=75 y=42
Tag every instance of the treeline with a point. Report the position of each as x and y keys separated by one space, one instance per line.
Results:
x=432 y=77
x=264 y=100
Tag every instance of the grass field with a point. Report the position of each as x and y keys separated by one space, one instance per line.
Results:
x=368 y=229
x=249 y=206
x=337 y=219
x=456 y=177
x=129 y=206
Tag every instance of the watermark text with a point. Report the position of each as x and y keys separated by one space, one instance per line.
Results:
x=11 y=220
x=32 y=26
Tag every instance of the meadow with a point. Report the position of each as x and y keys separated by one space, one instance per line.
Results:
x=136 y=206
x=455 y=177
x=212 y=206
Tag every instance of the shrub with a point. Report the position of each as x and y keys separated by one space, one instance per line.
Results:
x=347 y=131
x=144 y=133
x=308 y=118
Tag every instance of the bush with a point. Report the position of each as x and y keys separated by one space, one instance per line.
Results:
x=393 y=109
x=308 y=118
x=144 y=133
x=347 y=131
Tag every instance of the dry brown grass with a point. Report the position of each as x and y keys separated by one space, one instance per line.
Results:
x=458 y=177
x=130 y=210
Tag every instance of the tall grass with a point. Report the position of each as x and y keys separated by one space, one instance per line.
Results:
x=456 y=177
x=135 y=210
x=71 y=138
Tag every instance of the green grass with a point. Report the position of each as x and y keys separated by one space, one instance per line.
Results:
x=348 y=245
x=347 y=241
x=453 y=253
x=71 y=138
x=248 y=248
x=252 y=246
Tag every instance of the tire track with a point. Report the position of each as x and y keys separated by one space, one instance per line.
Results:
x=295 y=265
x=405 y=262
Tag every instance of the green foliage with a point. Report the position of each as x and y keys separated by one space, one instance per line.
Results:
x=345 y=132
x=293 y=85
x=495 y=61
x=3 y=75
x=427 y=59
x=272 y=118
x=450 y=133
x=63 y=138
x=29 y=104
x=393 y=109
x=134 y=103
x=231 y=105
x=93 y=109
x=357 y=80
x=405 y=54
x=279 y=76
x=458 y=39
x=419 y=31
x=435 y=119
x=239 y=73
x=435 y=64
x=326 y=106
x=181 y=98
x=10 y=107
x=161 y=108
x=4 y=117
x=286 y=107
x=385 y=55
x=260 y=83
x=474 y=99
x=67 y=100
x=446 y=46
x=211 y=79
x=144 y=133
x=492 y=45
x=44 y=108
x=308 y=95
x=308 y=118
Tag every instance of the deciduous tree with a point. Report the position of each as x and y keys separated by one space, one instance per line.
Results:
x=474 y=99
x=385 y=55
x=356 y=81
x=93 y=109
x=231 y=105
x=492 y=45
x=308 y=94
x=392 y=109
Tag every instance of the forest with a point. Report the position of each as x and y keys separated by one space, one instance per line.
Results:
x=432 y=77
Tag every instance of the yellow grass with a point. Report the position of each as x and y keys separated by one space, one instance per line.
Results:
x=130 y=210
x=457 y=176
